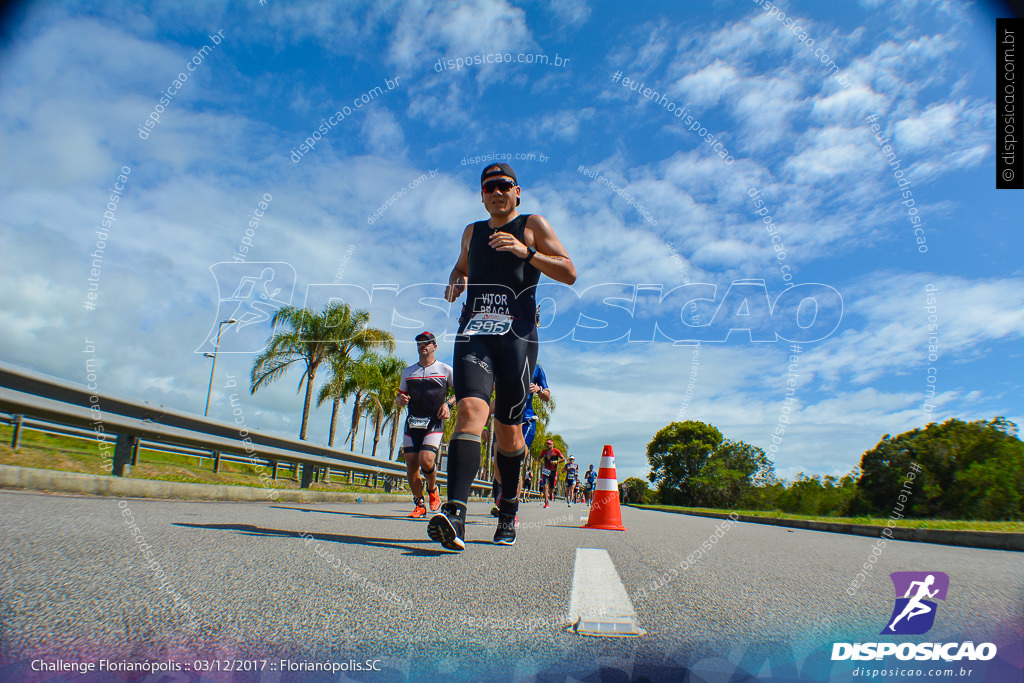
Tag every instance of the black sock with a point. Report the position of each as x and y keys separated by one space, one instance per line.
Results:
x=509 y=464
x=463 y=463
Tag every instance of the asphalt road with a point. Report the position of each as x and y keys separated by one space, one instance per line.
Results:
x=361 y=582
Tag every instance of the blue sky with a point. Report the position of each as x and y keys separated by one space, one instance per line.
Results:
x=78 y=80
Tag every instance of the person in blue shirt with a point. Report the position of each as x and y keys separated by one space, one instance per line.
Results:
x=590 y=479
x=538 y=388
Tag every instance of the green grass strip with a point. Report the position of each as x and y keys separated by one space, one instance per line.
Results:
x=952 y=524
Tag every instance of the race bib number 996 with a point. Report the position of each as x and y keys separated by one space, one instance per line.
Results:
x=488 y=323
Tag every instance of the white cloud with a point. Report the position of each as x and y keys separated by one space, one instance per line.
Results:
x=706 y=87
x=382 y=133
x=425 y=31
x=886 y=327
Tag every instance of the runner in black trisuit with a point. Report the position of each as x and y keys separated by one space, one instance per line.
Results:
x=499 y=264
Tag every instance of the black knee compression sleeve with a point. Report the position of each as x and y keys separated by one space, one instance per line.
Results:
x=509 y=464
x=463 y=463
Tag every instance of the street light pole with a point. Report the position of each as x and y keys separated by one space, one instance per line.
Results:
x=366 y=416
x=213 y=366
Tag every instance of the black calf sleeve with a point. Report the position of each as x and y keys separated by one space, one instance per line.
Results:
x=463 y=463
x=510 y=464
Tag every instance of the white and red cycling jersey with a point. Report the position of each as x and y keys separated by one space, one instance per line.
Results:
x=426 y=387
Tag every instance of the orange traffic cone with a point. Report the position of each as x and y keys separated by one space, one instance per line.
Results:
x=604 y=510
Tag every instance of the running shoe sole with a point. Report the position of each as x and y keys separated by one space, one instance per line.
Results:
x=505 y=540
x=441 y=529
x=509 y=535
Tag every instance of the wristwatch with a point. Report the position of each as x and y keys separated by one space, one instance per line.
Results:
x=530 y=253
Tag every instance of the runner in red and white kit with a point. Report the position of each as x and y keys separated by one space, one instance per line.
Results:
x=424 y=389
x=549 y=471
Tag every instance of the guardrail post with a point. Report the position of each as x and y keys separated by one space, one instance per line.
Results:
x=327 y=474
x=273 y=469
x=123 y=454
x=135 y=452
x=216 y=462
x=350 y=477
x=307 y=475
x=16 y=436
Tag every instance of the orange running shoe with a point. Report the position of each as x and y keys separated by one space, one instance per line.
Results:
x=420 y=511
x=435 y=499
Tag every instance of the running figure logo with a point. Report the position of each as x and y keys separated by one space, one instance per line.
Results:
x=250 y=294
x=914 y=614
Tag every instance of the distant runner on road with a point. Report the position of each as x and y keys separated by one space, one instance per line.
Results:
x=572 y=473
x=590 y=479
x=549 y=471
x=424 y=388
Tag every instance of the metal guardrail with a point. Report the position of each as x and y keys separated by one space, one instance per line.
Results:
x=46 y=427
x=62 y=403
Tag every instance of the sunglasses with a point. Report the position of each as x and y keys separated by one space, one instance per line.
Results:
x=503 y=185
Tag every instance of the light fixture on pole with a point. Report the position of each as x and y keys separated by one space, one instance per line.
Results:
x=213 y=366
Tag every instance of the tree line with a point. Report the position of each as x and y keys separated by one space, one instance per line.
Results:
x=358 y=362
x=969 y=470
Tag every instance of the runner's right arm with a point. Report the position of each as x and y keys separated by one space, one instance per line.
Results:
x=459 y=277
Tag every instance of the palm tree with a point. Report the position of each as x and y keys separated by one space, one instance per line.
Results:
x=359 y=378
x=351 y=334
x=311 y=339
x=381 y=390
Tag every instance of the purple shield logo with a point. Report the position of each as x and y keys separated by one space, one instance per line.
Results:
x=914 y=612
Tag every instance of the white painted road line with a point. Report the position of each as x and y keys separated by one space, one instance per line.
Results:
x=599 y=605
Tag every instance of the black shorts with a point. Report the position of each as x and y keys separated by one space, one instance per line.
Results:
x=416 y=440
x=569 y=483
x=504 y=362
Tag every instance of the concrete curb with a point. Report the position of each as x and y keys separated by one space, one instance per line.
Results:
x=993 y=540
x=55 y=481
